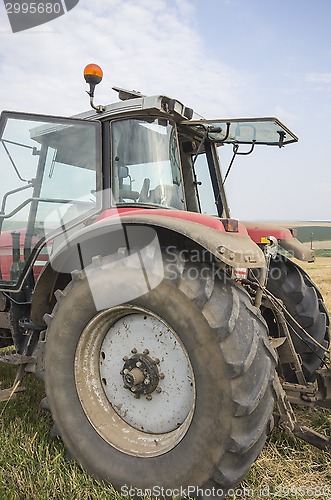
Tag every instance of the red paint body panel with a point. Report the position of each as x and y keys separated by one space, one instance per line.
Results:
x=255 y=230
x=205 y=220
x=258 y=230
x=6 y=254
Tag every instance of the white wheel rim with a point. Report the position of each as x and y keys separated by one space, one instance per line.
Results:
x=147 y=424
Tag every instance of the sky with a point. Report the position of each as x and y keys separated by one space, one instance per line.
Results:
x=224 y=58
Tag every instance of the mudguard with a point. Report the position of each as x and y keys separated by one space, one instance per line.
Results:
x=120 y=236
x=259 y=230
x=298 y=249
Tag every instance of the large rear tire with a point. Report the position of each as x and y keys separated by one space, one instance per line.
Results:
x=302 y=299
x=210 y=412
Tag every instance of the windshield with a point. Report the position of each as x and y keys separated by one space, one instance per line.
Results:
x=145 y=163
x=268 y=131
x=49 y=172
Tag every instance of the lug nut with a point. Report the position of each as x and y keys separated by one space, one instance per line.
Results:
x=147 y=381
x=125 y=371
x=134 y=377
x=138 y=364
x=162 y=375
x=137 y=396
x=134 y=351
x=146 y=351
x=125 y=358
x=149 y=397
x=156 y=361
x=158 y=390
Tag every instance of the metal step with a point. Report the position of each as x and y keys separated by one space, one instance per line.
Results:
x=13 y=358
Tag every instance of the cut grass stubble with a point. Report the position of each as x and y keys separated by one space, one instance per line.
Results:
x=34 y=466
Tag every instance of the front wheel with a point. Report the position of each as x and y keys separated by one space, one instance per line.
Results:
x=304 y=302
x=171 y=390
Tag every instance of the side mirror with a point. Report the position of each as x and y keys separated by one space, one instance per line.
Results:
x=123 y=172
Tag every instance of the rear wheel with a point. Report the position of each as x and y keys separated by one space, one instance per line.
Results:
x=173 y=389
x=304 y=302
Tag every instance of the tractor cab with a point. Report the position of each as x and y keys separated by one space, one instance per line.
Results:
x=51 y=174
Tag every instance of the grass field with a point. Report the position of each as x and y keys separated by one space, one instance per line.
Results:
x=34 y=466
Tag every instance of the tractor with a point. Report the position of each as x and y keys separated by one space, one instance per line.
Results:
x=171 y=338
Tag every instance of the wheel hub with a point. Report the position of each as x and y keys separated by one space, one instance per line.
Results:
x=141 y=401
x=140 y=374
x=146 y=374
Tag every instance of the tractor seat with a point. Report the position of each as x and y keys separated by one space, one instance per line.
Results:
x=126 y=193
x=167 y=195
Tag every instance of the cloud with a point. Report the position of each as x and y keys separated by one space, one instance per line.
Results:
x=321 y=78
x=148 y=46
x=178 y=48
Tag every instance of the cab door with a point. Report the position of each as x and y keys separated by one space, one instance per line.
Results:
x=50 y=173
